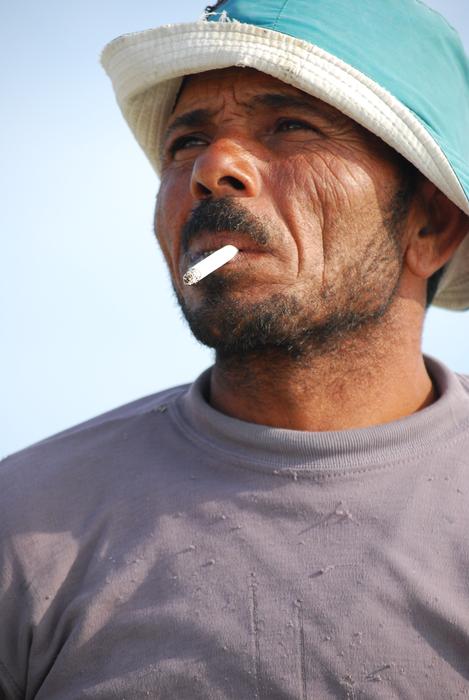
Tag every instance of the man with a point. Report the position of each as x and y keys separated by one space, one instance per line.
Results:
x=294 y=524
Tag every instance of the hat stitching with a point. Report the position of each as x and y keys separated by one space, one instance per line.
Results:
x=280 y=13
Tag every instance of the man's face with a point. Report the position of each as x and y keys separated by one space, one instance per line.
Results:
x=311 y=199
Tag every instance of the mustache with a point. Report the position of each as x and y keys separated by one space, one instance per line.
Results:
x=217 y=215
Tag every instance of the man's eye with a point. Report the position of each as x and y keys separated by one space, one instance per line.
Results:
x=288 y=125
x=185 y=142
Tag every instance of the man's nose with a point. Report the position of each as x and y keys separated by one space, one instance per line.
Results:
x=224 y=169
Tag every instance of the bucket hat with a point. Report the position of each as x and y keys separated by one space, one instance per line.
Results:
x=396 y=67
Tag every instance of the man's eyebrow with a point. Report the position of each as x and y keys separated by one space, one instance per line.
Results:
x=274 y=100
x=195 y=118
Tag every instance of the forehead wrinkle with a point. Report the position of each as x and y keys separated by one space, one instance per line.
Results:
x=269 y=100
x=281 y=101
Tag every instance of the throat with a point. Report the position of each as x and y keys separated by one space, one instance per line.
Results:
x=337 y=391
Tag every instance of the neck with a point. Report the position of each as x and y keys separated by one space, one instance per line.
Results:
x=377 y=375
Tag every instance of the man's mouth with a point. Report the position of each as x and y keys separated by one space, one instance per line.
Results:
x=207 y=244
x=210 y=263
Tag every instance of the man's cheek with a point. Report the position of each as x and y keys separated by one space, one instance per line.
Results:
x=167 y=226
x=164 y=239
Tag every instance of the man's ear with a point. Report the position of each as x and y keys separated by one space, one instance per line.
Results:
x=436 y=230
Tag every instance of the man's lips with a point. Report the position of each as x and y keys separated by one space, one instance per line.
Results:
x=206 y=244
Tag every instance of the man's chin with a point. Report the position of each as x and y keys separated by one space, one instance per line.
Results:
x=279 y=326
x=230 y=322
x=236 y=327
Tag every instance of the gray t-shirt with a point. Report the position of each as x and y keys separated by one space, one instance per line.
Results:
x=164 y=550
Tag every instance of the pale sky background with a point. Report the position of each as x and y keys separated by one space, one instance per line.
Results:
x=88 y=318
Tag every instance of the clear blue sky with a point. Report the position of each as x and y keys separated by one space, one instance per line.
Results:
x=88 y=318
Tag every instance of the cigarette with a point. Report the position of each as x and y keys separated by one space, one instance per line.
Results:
x=209 y=264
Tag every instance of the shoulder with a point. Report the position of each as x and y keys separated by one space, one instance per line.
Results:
x=77 y=459
x=116 y=415
x=122 y=413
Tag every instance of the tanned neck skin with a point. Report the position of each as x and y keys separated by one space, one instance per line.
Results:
x=375 y=376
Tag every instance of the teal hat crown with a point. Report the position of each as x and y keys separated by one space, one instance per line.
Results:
x=402 y=45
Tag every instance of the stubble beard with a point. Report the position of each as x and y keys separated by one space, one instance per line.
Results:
x=298 y=327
